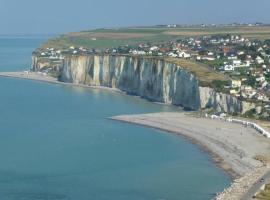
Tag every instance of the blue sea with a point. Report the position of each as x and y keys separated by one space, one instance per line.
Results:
x=56 y=143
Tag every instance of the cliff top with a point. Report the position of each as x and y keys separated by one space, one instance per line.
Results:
x=206 y=75
x=107 y=38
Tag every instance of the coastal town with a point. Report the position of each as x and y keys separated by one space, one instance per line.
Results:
x=245 y=61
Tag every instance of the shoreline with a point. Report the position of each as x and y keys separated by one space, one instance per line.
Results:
x=39 y=77
x=225 y=148
x=244 y=172
x=217 y=160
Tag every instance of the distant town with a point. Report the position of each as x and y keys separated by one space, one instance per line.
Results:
x=245 y=61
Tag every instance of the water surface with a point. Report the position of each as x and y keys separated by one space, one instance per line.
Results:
x=56 y=143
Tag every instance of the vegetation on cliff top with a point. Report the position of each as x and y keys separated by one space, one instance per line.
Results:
x=206 y=75
x=264 y=195
x=107 y=38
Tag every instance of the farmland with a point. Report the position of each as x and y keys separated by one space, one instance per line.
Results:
x=108 y=38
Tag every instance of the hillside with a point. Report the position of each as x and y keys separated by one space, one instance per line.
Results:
x=107 y=38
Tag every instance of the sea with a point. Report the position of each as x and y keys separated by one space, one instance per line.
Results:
x=57 y=143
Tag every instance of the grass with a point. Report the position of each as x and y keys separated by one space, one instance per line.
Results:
x=107 y=38
x=264 y=195
x=205 y=74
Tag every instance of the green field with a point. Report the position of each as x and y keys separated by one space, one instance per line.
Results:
x=108 y=38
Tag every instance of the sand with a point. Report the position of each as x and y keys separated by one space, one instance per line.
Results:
x=233 y=147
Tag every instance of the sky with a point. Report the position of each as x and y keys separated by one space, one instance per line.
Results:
x=60 y=16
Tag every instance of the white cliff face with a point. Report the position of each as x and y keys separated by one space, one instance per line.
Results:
x=150 y=78
x=220 y=102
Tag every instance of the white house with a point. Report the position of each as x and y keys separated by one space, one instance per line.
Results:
x=259 y=60
x=209 y=58
x=171 y=54
x=228 y=68
x=237 y=63
x=260 y=79
x=232 y=57
x=154 y=48
x=183 y=54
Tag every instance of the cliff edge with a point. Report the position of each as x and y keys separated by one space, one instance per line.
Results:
x=155 y=79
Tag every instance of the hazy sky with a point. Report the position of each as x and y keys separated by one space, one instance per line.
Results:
x=59 y=16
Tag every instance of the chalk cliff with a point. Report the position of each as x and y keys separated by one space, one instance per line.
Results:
x=150 y=78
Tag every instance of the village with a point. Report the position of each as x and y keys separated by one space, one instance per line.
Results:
x=245 y=61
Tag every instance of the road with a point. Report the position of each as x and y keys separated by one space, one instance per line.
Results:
x=256 y=187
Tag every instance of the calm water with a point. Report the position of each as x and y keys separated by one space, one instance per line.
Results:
x=56 y=144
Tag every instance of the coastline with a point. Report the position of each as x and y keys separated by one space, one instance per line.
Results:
x=39 y=77
x=225 y=147
x=214 y=156
x=238 y=162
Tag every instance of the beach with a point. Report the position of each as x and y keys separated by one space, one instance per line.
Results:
x=235 y=148
x=43 y=77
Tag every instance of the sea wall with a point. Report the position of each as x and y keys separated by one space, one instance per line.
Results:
x=150 y=78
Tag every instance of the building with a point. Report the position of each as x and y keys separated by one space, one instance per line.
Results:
x=259 y=60
x=236 y=83
x=228 y=68
x=183 y=54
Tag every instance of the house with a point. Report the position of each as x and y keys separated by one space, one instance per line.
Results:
x=233 y=92
x=136 y=52
x=236 y=83
x=240 y=53
x=154 y=48
x=247 y=63
x=184 y=54
x=260 y=79
x=260 y=49
x=228 y=68
x=210 y=53
x=209 y=58
x=232 y=57
x=259 y=60
x=171 y=54
x=237 y=63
